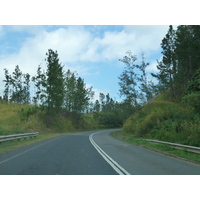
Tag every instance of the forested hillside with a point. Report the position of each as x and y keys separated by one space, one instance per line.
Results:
x=174 y=114
x=55 y=100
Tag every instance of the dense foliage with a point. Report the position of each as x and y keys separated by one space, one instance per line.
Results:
x=167 y=121
x=181 y=60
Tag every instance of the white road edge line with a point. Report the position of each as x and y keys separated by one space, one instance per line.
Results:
x=119 y=169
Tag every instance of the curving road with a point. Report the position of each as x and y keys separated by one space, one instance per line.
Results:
x=90 y=153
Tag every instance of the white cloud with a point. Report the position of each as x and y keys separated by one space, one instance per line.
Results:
x=76 y=45
x=82 y=70
x=113 y=45
x=68 y=42
x=152 y=67
x=116 y=44
x=148 y=37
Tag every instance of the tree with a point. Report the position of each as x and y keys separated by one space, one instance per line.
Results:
x=90 y=95
x=7 y=86
x=16 y=81
x=54 y=85
x=40 y=85
x=187 y=55
x=180 y=60
x=168 y=46
x=77 y=96
x=146 y=86
x=134 y=84
x=17 y=87
x=26 y=89
x=55 y=81
x=97 y=106
x=81 y=96
x=108 y=105
x=162 y=76
x=128 y=78
x=191 y=96
x=167 y=67
x=102 y=101
x=69 y=88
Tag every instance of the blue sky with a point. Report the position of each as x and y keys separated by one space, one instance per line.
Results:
x=92 y=51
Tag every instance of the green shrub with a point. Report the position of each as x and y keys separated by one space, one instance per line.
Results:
x=192 y=100
x=191 y=130
x=90 y=121
x=152 y=115
x=165 y=121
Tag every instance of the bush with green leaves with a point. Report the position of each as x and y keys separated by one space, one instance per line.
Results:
x=191 y=97
x=192 y=100
x=165 y=121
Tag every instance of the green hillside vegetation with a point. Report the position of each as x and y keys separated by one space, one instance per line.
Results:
x=17 y=118
x=22 y=118
x=166 y=121
x=61 y=102
x=174 y=114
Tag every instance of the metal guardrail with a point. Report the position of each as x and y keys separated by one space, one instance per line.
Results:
x=5 y=138
x=178 y=146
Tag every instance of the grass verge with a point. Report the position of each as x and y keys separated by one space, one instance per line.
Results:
x=162 y=148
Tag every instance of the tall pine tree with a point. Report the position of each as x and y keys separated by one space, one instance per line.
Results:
x=167 y=67
x=40 y=85
x=128 y=79
x=54 y=85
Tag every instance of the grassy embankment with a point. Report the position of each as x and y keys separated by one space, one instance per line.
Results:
x=165 y=121
x=15 y=118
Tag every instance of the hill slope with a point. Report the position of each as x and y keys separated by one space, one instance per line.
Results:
x=167 y=121
x=17 y=118
x=21 y=118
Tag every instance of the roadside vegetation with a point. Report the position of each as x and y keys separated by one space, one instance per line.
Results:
x=166 y=121
x=55 y=101
x=161 y=148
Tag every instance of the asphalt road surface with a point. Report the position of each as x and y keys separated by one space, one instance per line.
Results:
x=91 y=153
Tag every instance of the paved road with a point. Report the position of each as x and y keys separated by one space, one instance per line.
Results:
x=90 y=153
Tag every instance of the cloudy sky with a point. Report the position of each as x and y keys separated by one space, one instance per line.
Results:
x=92 y=51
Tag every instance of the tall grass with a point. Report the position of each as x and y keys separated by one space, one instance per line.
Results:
x=15 y=118
x=10 y=121
x=166 y=121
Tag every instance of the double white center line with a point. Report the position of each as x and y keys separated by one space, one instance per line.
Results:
x=119 y=169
